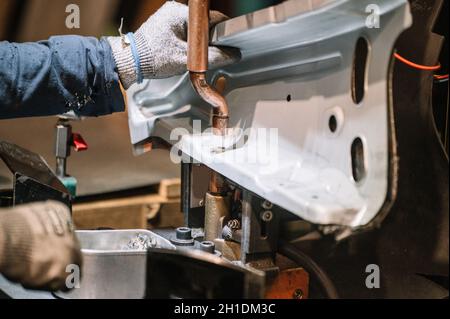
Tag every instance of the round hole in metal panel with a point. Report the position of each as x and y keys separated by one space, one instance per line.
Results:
x=359 y=71
x=332 y=123
x=358 y=160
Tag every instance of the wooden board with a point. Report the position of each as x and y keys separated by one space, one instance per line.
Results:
x=162 y=210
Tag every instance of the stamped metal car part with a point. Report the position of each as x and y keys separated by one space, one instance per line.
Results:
x=309 y=108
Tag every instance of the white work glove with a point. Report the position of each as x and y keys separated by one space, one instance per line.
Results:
x=37 y=243
x=161 y=44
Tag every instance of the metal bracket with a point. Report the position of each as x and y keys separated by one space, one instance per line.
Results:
x=259 y=233
x=34 y=181
x=318 y=74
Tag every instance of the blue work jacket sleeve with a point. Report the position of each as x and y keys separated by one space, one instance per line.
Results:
x=62 y=74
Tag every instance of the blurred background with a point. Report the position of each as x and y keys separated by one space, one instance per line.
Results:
x=32 y=20
x=108 y=166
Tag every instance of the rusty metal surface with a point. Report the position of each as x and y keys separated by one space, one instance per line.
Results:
x=289 y=284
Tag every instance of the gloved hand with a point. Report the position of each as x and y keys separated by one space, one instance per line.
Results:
x=37 y=243
x=162 y=46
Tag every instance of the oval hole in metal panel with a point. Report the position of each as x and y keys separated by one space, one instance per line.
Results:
x=358 y=161
x=359 y=70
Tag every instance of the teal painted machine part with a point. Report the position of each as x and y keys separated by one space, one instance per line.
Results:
x=71 y=184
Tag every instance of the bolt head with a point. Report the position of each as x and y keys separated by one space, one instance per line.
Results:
x=266 y=216
x=207 y=246
x=267 y=205
x=298 y=294
x=184 y=233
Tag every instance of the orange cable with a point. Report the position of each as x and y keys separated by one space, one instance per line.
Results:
x=441 y=77
x=415 y=65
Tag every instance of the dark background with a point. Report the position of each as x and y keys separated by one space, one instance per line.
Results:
x=31 y=20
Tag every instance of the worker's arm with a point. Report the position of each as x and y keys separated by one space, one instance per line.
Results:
x=64 y=73
x=80 y=74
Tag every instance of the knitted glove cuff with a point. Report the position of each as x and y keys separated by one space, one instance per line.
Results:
x=127 y=64
x=145 y=55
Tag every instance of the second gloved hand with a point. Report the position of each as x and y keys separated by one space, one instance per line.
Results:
x=37 y=243
x=161 y=45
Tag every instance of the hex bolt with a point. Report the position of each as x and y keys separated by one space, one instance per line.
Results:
x=208 y=247
x=267 y=205
x=298 y=294
x=183 y=237
x=266 y=216
x=184 y=233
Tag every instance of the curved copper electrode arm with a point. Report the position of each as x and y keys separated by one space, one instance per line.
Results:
x=198 y=46
x=218 y=102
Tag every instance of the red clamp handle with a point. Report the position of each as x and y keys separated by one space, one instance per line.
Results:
x=78 y=143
